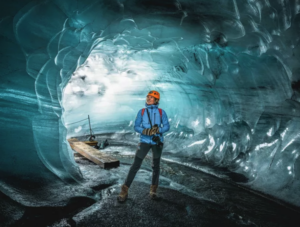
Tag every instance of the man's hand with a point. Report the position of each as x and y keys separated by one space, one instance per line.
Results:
x=155 y=128
x=150 y=131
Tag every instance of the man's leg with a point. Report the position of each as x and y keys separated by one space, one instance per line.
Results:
x=156 y=155
x=138 y=159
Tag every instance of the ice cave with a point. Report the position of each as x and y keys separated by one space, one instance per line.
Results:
x=228 y=74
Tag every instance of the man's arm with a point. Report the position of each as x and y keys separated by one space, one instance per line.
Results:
x=138 y=122
x=165 y=122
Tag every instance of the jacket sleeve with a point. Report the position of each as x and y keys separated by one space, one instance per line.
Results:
x=165 y=122
x=138 y=122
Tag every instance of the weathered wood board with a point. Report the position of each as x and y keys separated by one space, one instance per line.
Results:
x=73 y=140
x=91 y=143
x=94 y=155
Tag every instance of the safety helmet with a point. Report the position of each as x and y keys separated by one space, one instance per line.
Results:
x=154 y=94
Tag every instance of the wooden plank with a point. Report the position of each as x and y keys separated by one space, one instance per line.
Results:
x=91 y=143
x=71 y=142
x=96 y=156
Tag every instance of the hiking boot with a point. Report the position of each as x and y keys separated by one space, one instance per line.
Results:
x=153 y=194
x=123 y=194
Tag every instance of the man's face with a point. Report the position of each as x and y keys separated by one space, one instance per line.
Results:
x=150 y=100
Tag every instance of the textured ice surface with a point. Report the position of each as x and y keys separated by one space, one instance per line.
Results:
x=227 y=72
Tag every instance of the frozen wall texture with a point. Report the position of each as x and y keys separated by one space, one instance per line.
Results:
x=228 y=72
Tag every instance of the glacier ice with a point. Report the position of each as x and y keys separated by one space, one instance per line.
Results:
x=227 y=71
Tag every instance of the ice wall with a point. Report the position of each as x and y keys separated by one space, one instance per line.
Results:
x=227 y=71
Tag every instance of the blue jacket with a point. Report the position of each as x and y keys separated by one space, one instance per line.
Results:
x=142 y=122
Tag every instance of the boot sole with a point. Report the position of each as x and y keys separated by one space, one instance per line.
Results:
x=153 y=196
x=122 y=200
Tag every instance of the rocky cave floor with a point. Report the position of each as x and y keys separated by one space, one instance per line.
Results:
x=187 y=197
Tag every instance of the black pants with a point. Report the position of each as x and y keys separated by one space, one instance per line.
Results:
x=141 y=153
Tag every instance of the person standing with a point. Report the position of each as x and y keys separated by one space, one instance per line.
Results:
x=151 y=122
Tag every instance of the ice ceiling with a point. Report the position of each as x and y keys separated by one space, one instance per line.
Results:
x=228 y=73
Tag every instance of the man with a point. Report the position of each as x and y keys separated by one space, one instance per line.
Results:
x=151 y=122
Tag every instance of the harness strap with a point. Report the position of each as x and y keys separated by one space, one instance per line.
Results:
x=160 y=112
x=149 y=118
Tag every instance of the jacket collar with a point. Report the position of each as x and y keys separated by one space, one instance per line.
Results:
x=151 y=106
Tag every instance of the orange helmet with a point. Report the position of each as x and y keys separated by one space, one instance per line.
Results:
x=154 y=94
